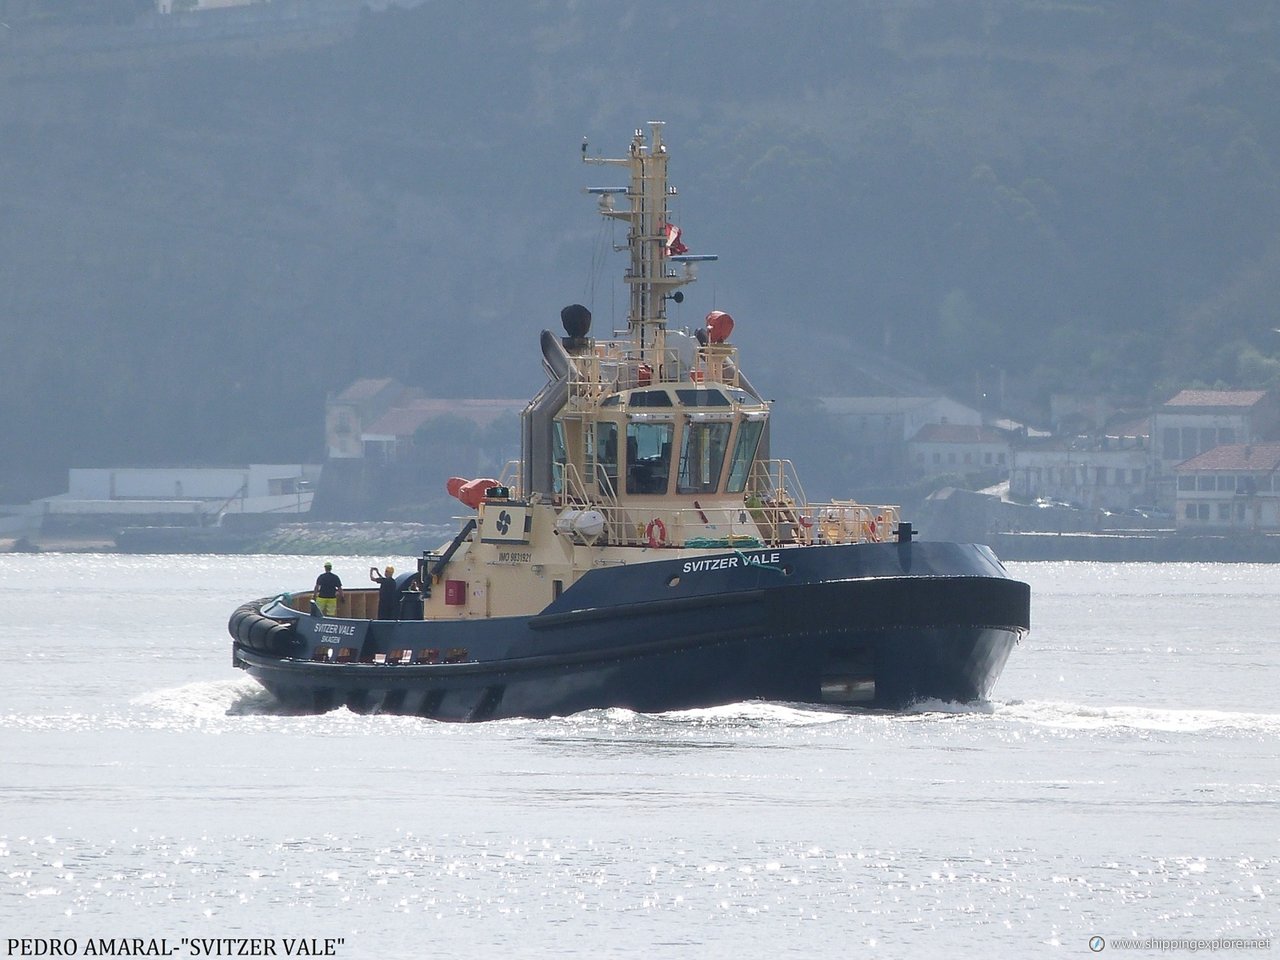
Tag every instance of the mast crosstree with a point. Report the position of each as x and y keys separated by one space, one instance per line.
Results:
x=659 y=263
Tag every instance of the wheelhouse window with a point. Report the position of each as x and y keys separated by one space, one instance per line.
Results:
x=706 y=397
x=744 y=452
x=702 y=455
x=650 y=398
x=649 y=456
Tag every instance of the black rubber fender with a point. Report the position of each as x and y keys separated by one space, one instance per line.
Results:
x=258 y=629
x=244 y=631
x=233 y=625
x=240 y=626
x=243 y=628
x=282 y=639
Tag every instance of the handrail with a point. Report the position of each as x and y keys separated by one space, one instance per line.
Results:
x=773 y=512
x=512 y=478
x=845 y=521
x=611 y=366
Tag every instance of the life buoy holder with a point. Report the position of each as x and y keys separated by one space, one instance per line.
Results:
x=656 y=532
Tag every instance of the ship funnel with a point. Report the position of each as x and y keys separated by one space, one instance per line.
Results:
x=577 y=324
x=536 y=421
x=554 y=357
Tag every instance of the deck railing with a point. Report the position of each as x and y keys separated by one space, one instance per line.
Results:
x=358 y=604
x=774 y=512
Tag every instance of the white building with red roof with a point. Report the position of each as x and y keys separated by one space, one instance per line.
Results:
x=391 y=434
x=940 y=448
x=1097 y=473
x=377 y=419
x=1234 y=487
x=875 y=431
x=1195 y=421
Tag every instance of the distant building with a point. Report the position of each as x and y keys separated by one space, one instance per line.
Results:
x=376 y=420
x=193 y=495
x=1079 y=415
x=1232 y=488
x=392 y=435
x=1097 y=473
x=875 y=431
x=295 y=8
x=1196 y=421
x=348 y=414
x=168 y=6
x=940 y=448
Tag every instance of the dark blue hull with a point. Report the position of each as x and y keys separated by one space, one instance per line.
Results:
x=876 y=625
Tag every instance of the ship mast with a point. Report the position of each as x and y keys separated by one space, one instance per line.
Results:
x=652 y=241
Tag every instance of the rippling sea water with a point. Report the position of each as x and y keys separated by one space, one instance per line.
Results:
x=1124 y=782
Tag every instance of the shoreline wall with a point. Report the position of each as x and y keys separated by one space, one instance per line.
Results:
x=1128 y=548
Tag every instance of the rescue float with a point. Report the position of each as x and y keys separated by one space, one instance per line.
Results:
x=647 y=551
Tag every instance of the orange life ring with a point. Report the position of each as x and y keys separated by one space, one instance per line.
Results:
x=656 y=531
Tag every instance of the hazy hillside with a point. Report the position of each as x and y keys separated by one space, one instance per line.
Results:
x=199 y=241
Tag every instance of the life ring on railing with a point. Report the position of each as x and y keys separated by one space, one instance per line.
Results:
x=656 y=532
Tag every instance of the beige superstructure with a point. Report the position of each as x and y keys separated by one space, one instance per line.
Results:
x=639 y=448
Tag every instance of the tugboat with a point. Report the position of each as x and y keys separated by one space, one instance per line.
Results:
x=646 y=551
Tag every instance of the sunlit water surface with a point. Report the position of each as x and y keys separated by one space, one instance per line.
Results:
x=1123 y=782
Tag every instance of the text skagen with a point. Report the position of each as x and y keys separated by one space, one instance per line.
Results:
x=164 y=947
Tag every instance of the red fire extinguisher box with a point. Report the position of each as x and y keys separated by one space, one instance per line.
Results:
x=455 y=593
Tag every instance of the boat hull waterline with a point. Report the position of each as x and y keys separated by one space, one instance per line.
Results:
x=869 y=625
